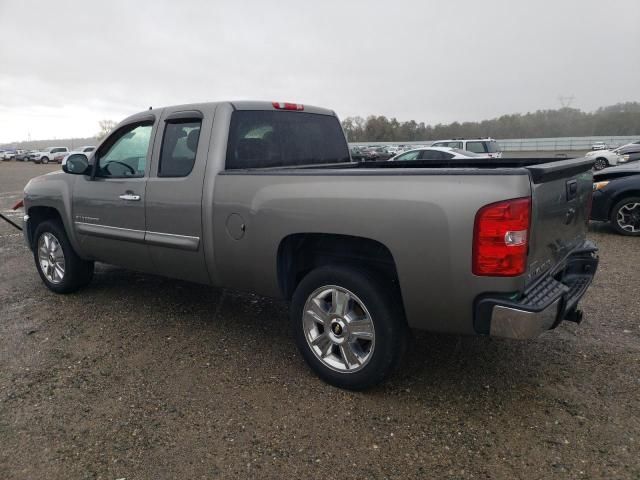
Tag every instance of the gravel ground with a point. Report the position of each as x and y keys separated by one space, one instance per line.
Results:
x=141 y=377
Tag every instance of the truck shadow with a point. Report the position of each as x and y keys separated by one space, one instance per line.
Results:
x=435 y=365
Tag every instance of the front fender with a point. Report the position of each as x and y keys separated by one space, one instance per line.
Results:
x=53 y=190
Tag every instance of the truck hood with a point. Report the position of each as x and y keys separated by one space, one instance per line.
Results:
x=36 y=182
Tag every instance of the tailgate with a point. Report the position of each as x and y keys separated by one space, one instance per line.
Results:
x=561 y=197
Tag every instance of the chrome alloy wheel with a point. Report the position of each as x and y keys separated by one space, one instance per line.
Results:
x=338 y=329
x=600 y=164
x=51 y=258
x=628 y=217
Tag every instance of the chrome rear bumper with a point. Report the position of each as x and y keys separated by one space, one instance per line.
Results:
x=543 y=306
x=509 y=322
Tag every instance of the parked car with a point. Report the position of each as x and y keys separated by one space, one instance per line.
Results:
x=377 y=153
x=357 y=153
x=393 y=149
x=604 y=158
x=599 y=146
x=86 y=150
x=23 y=156
x=10 y=154
x=58 y=157
x=437 y=153
x=262 y=196
x=486 y=146
x=629 y=153
x=616 y=198
x=48 y=154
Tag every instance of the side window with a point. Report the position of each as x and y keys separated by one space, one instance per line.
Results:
x=409 y=155
x=125 y=152
x=430 y=155
x=446 y=155
x=475 y=147
x=179 y=145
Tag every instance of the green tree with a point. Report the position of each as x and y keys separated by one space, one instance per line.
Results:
x=619 y=119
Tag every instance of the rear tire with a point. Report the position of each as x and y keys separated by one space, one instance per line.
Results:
x=350 y=330
x=625 y=216
x=59 y=267
x=600 y=163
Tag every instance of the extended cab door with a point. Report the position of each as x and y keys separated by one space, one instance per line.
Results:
x=174 y=194
x=109 y=206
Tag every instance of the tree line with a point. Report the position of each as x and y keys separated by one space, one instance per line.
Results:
x=618 y=119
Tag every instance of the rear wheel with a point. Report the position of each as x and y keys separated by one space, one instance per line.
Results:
x=600 y=163
x=625 y=216
x=347 y=326
x=60 y=268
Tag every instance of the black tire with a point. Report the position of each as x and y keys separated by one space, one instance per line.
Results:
x=386 y=314
x=44 y=160
x=77 y=272
x=600 y=163
x=614 y=216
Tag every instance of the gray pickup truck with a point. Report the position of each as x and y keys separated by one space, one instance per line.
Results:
x=264 y=197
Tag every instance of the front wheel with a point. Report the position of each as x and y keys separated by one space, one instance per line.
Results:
x=600 y=163
x=45 y=160
x=625 y=216
x=348 y=327
x=60 y=268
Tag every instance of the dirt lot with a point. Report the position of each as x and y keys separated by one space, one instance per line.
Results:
x=140 y=377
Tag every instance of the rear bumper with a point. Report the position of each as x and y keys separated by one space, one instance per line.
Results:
x=551 y=300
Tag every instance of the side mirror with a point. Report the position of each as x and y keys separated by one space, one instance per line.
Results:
x=76 y=164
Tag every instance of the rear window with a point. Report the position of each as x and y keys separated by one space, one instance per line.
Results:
x=476 y=147
x=260 y=139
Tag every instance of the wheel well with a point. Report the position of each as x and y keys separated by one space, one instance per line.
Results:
x=300 y=253
x=37 y=215
x=621 y=196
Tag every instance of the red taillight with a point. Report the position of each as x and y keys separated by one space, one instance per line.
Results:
x=18 y=205
x=501 y=238
x=288 y=106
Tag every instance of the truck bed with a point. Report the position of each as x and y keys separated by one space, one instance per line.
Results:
x=540 y=169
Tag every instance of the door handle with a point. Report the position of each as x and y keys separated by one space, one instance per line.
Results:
x=130 y=197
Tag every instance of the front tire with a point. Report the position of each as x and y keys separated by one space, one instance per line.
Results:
x=600 y=163
x=625 y=216
x=44 y=160
x=350 y=330
x=60 y=268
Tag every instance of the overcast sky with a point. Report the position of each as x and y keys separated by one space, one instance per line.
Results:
x=65 y=65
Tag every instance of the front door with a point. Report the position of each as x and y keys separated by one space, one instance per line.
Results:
x=109 y=207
